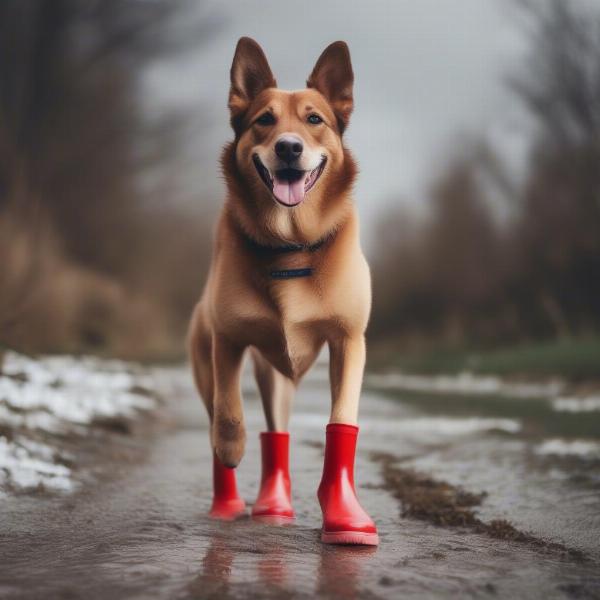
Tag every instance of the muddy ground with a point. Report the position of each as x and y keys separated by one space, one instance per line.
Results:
x=467 y=502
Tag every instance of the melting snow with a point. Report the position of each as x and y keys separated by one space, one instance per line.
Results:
x=464 y=383
x=558 y=447
x=577 y=405
x=71 y=390
x=57 y=395
x=28 y=465
x=449 y=426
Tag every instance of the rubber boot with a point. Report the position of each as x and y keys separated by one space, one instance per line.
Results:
x=344 y=519
x=274 y=497
x=227 y=504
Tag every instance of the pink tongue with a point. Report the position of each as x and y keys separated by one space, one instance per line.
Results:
x=290 y=193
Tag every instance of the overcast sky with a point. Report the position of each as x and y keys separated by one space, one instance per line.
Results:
x=425 y=71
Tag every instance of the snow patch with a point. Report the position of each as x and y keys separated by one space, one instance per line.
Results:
x=464 y=383
x=56 y=392
x=447 y=426
x=52 y=396
x=30 y=465
x=577 y=405
x=559 y=447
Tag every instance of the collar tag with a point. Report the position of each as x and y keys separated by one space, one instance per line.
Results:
x=291 y=273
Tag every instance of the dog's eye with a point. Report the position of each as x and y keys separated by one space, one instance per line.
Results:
x=314 y=119
x=266 y=119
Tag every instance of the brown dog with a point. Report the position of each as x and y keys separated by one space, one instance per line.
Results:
x=287 y=274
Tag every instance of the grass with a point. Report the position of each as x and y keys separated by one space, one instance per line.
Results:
x=574 y=359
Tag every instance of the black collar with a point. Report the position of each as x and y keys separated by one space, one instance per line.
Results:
x=265 y=250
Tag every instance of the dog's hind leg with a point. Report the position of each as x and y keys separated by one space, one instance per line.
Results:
x=277 y=393
x=227 y=503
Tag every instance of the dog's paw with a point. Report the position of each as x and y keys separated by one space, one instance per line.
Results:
x=229 y=440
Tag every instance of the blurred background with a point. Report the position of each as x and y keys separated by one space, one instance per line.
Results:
x=477 y=130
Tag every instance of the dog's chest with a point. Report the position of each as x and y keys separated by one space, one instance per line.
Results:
x=300 y=325
x=293 y=353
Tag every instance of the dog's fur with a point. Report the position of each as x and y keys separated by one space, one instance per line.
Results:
x=285 y=322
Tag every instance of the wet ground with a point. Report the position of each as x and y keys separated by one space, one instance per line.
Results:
x=140 y=530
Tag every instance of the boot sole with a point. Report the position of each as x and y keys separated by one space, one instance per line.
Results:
x=354 y=538
x=274 y=519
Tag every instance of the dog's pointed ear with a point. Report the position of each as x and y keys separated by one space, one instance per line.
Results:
x=250 y=75
x=333 y=77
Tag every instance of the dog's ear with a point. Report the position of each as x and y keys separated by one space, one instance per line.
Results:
x=333 y=77
x=250 y=75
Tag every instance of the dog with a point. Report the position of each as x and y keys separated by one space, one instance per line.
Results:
x=287 y=277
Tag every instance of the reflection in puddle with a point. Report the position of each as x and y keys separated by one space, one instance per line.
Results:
x=215 y=573
x=229 y=565
x=272 y=569
x=341 y=569
x=269 y=570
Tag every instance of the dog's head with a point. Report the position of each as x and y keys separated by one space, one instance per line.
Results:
x=288 y=148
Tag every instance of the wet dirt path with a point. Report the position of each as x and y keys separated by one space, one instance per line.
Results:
x=143 y=532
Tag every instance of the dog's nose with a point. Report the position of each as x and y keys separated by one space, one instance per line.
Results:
x=289 y=148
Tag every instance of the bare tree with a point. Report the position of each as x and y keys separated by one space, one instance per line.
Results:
x=560 y=223
x=74 y=141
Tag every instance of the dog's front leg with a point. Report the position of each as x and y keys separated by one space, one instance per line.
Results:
x=346 y=366
x=344 y=519
x=228 y=432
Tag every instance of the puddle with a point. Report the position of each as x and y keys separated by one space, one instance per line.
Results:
x=139 y=529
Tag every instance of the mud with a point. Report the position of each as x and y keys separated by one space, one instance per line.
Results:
x=446 y=505
x=138 y=527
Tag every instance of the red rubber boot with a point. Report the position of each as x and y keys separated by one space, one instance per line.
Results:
x=227 y=504
x=274 y=497
x=344 y=519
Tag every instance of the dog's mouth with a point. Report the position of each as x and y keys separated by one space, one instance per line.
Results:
x=289 y=186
